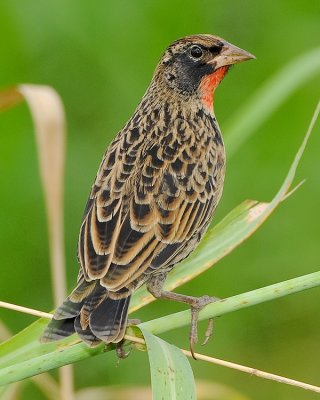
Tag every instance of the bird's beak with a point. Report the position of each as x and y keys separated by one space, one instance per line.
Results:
x=229 y=55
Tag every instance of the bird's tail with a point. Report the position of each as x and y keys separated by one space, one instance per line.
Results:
x=91 y=313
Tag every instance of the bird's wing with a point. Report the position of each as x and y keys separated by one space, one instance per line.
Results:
x=156 y=232
x=149 y=199
x=106 y=206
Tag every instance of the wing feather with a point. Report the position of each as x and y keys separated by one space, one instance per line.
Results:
x=149 y=206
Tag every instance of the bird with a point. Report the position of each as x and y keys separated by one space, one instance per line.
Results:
x=154 y=195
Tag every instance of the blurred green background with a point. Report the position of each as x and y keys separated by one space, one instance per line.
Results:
x=100 y=57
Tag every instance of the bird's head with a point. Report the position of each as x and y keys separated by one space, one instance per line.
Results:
x=195 y=65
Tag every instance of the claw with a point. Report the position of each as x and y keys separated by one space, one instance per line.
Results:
x=155 y=287
x=196 y=307
x=209 y=332
x=194 y=330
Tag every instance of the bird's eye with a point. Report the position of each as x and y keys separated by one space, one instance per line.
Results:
x=196 y=52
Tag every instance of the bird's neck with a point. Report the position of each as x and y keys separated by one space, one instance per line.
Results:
x=208 y=86
x=186 y=105
x=161 y=112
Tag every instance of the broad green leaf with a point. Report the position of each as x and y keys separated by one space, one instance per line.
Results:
x=171 y=373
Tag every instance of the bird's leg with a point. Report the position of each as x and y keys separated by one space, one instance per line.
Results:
x=155 y=285
x=120 y=350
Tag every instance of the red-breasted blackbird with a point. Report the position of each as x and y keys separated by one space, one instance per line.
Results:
x=157 y=187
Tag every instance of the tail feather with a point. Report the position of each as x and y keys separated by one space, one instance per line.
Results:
x=67 y=310
x=90 y=313
x=91 y=302
x=58 y=329
x=108 y=321
x=72 y=305
x=85 y=334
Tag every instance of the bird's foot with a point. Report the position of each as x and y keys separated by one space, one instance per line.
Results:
x=120 y=350
x=197 y=305
x=133 y=322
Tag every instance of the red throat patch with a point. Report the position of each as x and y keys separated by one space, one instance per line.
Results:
x=208 y=85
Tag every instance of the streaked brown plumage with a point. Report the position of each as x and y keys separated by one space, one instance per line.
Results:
x=156 y=190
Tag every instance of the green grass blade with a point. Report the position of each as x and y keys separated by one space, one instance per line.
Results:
x=269 y=97
x=65 y=352
x=235 y=303
x=171 y=373
x=54 y=356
